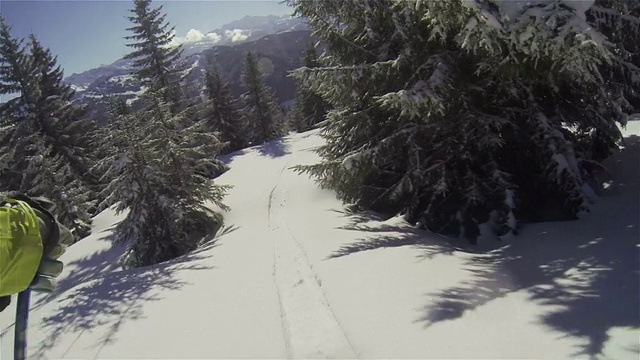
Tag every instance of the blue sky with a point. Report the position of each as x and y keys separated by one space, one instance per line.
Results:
x=86 y=34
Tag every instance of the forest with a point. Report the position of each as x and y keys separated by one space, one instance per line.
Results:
x=453 y=114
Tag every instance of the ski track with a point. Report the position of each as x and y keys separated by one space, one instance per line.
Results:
x=285 y=328
x=309 y=324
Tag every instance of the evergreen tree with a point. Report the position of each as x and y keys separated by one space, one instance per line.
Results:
x=619 y=21
x=67 y=145
x=157 y=172
x=221 y=110
x=47 y=142
x=309 y=109
x=155 y=178
x=158 y=66
x=262 y=116
x=294 y=119
x=13 y=71
x=112 y=139
x=455 y=112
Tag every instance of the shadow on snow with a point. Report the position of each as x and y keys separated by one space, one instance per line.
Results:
x=97 y=294
x=227 y=159
x=385 y=236
x=586 y=271
x=274 y=148
x=588 y=268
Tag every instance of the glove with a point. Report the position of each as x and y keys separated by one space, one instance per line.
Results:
x=55 y=235
x=45 y=279
x=50 y=267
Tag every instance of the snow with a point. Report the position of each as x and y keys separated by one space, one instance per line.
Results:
x=515 y=8
x=581 y=6
x=195 y=64
x=136 y=94
x=94 y=96
x=294 y=275
x=132 y=92
x=78 y=88
x=122 y=79
x=352 y=161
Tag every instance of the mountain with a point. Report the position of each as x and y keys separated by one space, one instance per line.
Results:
x=295 y=275
x=278 y=41
x=247 y=29
x=84 y=79
x=278 y=54
x=257 y=26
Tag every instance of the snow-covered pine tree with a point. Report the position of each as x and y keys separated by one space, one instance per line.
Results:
x=158 y=173
x=455 y=112
x=221 y=110
x=118 y=106
x=619 y=21
x=263 y=119
x=71 y=136
x=12 y=77
x=47 y=140
x=309 y=108
x=158 y=65
x=156 y=179
x=112 y=139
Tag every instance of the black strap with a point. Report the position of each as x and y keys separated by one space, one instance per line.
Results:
x=4 y=302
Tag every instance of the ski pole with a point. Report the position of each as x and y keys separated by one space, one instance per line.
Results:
x=22 y=321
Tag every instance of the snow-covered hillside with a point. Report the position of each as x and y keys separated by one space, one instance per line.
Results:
x=295 y=275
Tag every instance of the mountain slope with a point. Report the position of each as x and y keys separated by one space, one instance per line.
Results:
x=250 y=28
x=278 y=54
x=294 y=275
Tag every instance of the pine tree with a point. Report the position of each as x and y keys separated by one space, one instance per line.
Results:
x=262 y=117
x=48 y=149
x=158 y=65
x=13 y=71
x=221 y=110
x=156 y=180
x=619 y=21
x=309 y=109
x=112 y=139
x=158 y=171
x=457 y=112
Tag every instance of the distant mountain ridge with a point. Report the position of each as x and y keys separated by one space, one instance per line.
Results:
x=266 y=24
x=279 y=43
x=247 y=29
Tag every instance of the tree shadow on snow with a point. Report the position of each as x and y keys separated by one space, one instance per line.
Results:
x=585 y=270
x=227 y=159
x=382 y=235
x=275 y=148
x=98 y=294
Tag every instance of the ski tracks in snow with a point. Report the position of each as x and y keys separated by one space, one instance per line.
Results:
x=310 y=327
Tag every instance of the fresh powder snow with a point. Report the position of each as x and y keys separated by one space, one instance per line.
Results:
x=295 y=275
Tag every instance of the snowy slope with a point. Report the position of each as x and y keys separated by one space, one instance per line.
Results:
x=294 y=275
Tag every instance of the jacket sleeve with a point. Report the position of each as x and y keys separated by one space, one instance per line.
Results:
x=65 y=237
x=20 y=249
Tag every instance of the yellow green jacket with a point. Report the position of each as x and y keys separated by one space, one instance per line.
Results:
x=22 y=230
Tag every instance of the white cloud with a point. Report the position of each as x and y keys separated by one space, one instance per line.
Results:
x=213 y=37
x=236 y=35
x=194 y=36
